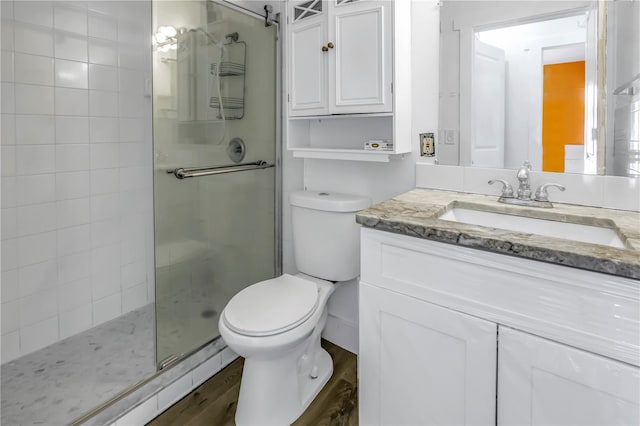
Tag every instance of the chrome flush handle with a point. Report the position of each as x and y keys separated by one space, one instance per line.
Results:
x=542 y=194
x=507 y=190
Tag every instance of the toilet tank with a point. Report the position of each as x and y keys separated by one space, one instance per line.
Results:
x=326 y=237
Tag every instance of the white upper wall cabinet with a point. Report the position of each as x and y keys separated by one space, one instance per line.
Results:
x=348 y=79
x=362 y=61
x=308 y=92
x=340 y=58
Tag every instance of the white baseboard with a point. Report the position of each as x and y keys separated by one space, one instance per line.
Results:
x=342 y=333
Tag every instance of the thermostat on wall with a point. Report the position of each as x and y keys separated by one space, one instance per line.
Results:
x=378 y=145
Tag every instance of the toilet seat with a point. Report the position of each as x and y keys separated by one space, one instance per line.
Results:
x=271 y=307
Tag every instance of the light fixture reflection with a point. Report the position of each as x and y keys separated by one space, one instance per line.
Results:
x=165 y=38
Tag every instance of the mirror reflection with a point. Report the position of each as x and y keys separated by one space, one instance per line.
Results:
x=525 y=81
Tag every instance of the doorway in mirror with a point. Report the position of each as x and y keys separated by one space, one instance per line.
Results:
x=533 y=96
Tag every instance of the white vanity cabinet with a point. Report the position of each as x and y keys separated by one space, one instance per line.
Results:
x=421 y=364
x=339 y=57
x=541 y=383
x=439 y=321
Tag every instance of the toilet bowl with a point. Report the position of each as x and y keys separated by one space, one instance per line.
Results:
x=285 y=367
x=276 y=324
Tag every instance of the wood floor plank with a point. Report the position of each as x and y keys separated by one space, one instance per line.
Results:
x=202 y=397
x=334 y=409
x=214 y=403
x=337 y=402
x=219 y=412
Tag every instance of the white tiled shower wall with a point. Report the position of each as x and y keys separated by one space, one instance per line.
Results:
x=77 y=228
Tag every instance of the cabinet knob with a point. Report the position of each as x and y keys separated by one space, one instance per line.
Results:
x=330 y=45
x=325 y=49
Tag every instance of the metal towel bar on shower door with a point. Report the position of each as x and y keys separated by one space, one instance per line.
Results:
x=184 y=173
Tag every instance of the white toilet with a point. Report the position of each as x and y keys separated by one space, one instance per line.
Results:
x=276 y=324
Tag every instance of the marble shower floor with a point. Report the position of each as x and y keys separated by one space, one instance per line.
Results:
x=185 y=321
x=61 y=382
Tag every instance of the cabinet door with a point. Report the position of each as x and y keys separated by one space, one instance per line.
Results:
x=420 y=364
x=541 y=382
x=361 y=60
x=307 y=30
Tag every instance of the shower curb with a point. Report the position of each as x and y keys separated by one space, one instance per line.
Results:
x=146 y=400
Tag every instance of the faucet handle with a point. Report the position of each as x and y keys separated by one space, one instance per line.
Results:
x=542 y=194
x=507 y=190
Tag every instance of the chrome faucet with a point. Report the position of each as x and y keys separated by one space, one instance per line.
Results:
x=523 y=194
x=524 y=188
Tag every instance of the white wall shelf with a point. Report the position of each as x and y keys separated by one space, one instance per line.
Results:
x=344 y=154
x=338 y=116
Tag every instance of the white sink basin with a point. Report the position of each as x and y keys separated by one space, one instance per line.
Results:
x=548 y=228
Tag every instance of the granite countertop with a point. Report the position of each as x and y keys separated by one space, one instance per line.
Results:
x=415 y=213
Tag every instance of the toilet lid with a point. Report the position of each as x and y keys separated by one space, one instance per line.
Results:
x=272 y=306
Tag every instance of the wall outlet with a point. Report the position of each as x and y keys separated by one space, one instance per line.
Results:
x=427 y=145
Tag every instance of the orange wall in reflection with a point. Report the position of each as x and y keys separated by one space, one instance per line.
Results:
x=562 y=112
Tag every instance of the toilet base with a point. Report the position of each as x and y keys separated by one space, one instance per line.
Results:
x=312 y=387
x=274 y=392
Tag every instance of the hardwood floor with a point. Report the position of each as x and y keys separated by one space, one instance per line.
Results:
x=214 y=402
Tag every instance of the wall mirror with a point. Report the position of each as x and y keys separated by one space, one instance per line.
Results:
x=555 y=83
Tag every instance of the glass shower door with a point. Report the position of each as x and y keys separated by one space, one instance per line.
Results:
x=214 y=93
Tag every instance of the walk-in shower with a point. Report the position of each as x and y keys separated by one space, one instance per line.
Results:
x=139 y=191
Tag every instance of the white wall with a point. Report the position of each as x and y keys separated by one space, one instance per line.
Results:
x=472 y=13
x=613 y=192
x=376 y=180
x=77 y=239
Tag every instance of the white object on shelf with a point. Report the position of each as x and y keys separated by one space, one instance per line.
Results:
x=378 y=145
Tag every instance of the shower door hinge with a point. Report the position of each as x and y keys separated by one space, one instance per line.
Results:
x=288 y=97
x=391 y=87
